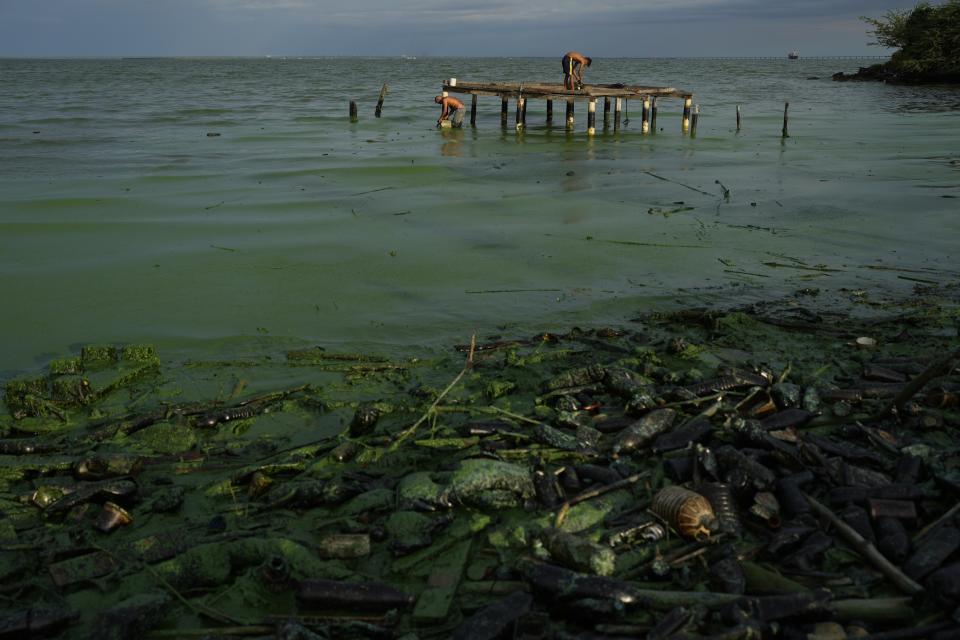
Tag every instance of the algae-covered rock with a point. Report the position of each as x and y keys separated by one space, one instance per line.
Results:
x=577 y=553
x=140 y=353
x=410 y=530
x=482 y=482
x=70 y=390
x=26 y=397
x=418 y=491
x=96 y=356
x=65 y=366
x=166 y=437
x=368 y=502
x=590 y=513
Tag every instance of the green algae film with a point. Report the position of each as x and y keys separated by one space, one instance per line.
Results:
x=120 y=219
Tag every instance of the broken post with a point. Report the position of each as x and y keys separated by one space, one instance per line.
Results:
x=473 y=110
x=786 y=106
x=504 y=106
x=693 y=122
x=738 y=117
x=383 y=93
x=687 y=105
x=353 y=111
x=653 y=114
x=549 y=112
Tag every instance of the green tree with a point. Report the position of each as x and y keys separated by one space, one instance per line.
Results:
x=928 y=39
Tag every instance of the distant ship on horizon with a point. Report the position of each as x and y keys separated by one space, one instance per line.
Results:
x=793 y=55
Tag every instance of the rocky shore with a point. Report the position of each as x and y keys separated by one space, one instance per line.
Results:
x=890 y=73
x=788 y=469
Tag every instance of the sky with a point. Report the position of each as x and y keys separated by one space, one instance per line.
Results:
x=607 y=28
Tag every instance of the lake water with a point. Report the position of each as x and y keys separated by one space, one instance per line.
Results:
x=122 y=220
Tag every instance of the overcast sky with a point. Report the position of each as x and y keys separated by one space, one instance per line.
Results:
x=608 y=28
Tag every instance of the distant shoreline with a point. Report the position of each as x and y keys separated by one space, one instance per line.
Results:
x=430 y=57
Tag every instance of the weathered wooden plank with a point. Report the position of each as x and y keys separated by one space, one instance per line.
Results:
x=555 y=91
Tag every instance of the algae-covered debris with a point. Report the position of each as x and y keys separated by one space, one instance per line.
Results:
x=721 y=473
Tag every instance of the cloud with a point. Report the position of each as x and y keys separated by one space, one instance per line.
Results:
x=384 y=27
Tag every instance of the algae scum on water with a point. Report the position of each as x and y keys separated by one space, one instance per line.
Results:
x=772 y=471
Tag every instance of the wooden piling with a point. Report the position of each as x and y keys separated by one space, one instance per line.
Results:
x=504 y=106
x=786 y=106
x=518 y=118
x=738 y=117
x=353 y=111
x=606 y=112
x=618 y=102
x=687 y=106
x=523 y=113
x=592 y=116
x=473 y=110
x=383 y=94
x=569 y=114
x=549 y=113
x=693 y=123
x=645 y=116
x=653 y=114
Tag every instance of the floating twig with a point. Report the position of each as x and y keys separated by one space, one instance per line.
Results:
x=403 y=435
x=686 y=186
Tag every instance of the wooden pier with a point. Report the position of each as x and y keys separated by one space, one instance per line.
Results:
x=614 y=95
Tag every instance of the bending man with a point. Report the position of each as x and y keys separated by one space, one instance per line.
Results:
x=451 y=106
x=573 y=63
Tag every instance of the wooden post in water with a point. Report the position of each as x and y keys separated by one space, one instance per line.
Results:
x=687 y=105
x=616 y=113
x=504 y=106
x=606 y=112
x=738 y=117
x=645 y=116
x=592 y=116
x=353 y=111
x=653 y=114
x=569 y=114
x=383 y=94
x=693 y=123
x=786 y=106
x=521 y=115
x=473 y=110
x=549 y=113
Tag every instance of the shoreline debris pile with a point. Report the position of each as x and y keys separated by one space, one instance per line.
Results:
x=764 y=472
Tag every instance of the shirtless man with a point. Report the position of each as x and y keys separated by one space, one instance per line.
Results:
x=450 y=107
x=573 y=63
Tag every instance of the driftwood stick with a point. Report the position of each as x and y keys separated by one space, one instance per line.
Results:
x=403 y=435
x=933 y=525
x=938 y=367
x=867 y=550
x=607 y=488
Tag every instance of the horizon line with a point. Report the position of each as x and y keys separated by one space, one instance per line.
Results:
x=415 y=57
